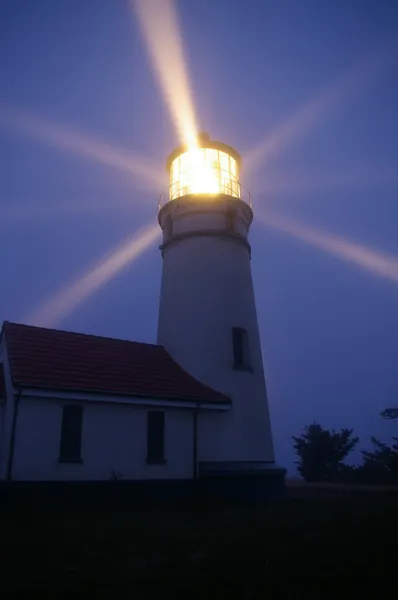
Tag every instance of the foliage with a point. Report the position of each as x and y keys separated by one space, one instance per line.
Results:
x=321 y=452
x=389 y=413
x=381 y=464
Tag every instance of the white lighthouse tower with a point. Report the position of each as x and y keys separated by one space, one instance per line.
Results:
x=207 y=312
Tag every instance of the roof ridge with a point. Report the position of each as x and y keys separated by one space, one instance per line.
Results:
x=79 y=334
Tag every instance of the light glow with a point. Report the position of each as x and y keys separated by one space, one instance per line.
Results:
x=206 y=171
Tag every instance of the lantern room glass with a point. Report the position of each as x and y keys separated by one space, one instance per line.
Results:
x=204 y=171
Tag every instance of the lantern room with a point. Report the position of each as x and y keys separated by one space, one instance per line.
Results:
x=208 y=169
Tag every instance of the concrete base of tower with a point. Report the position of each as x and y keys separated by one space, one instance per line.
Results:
x=256 y=481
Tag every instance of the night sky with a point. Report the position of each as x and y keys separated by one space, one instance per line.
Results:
x=329 y=328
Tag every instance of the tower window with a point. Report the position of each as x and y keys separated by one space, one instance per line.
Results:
x=71 y=434
x=155 y=437
x=240 y=345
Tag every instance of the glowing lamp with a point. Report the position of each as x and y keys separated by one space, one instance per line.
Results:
x=209 y=168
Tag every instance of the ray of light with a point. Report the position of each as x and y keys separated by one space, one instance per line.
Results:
x=73 y=141
x=67 y=300
x=347 y=178
x=305 y=118
x=159 y=23
x=29 y=212
x=374 y=262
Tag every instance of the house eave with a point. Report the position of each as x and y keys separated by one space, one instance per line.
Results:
x=30 y=391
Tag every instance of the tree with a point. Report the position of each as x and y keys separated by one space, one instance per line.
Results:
x=389 y=413
x=381 y=464
x=321 y=452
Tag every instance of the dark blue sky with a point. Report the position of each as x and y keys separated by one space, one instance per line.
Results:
x=329 y=329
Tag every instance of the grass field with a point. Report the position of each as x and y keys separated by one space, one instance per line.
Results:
x=342 y=545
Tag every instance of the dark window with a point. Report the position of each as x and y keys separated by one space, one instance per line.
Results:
x=240 y=345
x=155 y=436
x=71 y=434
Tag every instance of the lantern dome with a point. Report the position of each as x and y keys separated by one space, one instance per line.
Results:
x=210 y=168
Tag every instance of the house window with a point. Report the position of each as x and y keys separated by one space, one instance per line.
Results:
x=240 y=346
x=155 y=437
x=71 y=434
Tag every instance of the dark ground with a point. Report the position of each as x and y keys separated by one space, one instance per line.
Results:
x=328 y=546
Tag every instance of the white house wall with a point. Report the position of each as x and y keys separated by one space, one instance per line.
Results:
x=113 y=441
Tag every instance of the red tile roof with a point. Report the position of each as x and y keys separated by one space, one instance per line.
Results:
x=47 y=358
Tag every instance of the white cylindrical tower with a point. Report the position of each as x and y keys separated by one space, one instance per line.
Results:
x=207 y=312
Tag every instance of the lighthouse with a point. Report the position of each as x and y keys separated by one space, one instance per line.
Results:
x=207 y=310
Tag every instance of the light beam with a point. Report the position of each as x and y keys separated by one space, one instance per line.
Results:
x=372 y=261
x=159 y=23
x=349 y=177
x=66 y=301
x=305 y=118
x=73 y=141
x=29 y=212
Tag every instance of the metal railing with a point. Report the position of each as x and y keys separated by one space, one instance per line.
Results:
x=228 y=188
